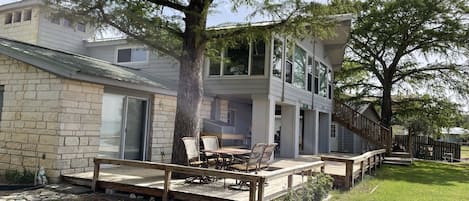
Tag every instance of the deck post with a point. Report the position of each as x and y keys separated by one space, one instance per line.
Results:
x=348 y=174
x=369 y=166
x=95 y=175
x=260 y=191
x=167 y=184
x=362 y=169
x=252 y=190
x=290 y=181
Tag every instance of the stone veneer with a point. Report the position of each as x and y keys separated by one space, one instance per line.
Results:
x=48 y=120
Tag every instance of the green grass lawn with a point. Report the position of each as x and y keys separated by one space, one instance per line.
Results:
x=421 y=181
x=464 y=151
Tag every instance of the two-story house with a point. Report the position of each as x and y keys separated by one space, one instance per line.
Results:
x=279 y=90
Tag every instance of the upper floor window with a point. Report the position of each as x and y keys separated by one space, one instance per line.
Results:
x=277 y=58
x=244 y=59
x=132 y=55
x=27 y=15
x=310 y=73
x=81 y=27
x=8 y=18
x=289 y=62
x=316 y=77
x=300 y=67
x=17 y=16
x=67 y=23
x=323 y=80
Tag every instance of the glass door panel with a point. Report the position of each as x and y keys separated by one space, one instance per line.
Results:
x=111 y=126
x=135 y=129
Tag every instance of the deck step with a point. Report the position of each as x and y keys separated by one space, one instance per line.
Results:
x=397 y=161
x=401 y=154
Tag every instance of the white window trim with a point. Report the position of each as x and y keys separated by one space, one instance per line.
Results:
x=116 y=51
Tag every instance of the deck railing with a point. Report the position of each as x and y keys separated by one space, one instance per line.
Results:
x=257 y=180
x=360 y=124
x=368 y=162
x=425 y=147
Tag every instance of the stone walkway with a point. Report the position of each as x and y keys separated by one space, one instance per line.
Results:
x=64 y=192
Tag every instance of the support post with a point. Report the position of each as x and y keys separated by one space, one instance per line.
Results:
x=369 y=165
x=260 y=191
x=95 y=175
x=362 y=170
x=167 y=184
x=290 y=181
x=252 y=191
x=348 y=174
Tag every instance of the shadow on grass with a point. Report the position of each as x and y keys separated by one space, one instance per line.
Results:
x=427 y=173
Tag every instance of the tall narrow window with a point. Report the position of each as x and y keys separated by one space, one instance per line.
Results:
x=300 y=67
x=27 y=15
x=277 y=58
x=215 y=64
x=8 y=18
x=236 y=60
x=310 y=73
x=329 y=83
x=289 y=62
x=17 y=16
x=258 y=58
x=316 y=77
x=323 y=80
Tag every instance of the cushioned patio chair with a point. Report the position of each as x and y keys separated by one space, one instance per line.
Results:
x=248 y=164
x=266 y=159
x=211 y=143
x=193 y=159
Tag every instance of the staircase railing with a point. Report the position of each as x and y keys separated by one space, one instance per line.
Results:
x=368 y=129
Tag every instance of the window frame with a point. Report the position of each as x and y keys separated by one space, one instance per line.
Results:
x=83 y=25
x=28 y=11
x=9 y=17
x=16 y=18
x=116 y=54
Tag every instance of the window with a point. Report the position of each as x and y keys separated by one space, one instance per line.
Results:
x=310 y=73
x=81 y=27
x=236 y=60
x=215 y=62
x=258 y=58
x=323 y=80
x=132 y=55
x=67 y=23
x=277 y=58
x=54 y=19
x=289 y=63
x=27 y=15
x=17 y=16
x=231 y=117
x=300 y=67
x=316 y=77
x=329 y=81
x=333 y=130
x=8 y=18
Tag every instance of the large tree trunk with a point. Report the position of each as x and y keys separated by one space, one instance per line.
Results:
x=386 y=104
x=190 y=89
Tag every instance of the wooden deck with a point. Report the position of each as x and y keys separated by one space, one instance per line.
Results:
x=151 y=182
x=149 y=178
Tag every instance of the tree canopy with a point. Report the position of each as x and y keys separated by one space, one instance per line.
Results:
x=406 y=48
x=178 y=28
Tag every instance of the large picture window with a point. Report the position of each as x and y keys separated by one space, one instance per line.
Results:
x=130 y=55
x=244 y=59
x=300 y=67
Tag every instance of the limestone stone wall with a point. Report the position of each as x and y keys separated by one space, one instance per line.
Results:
x=164 y=113
x=47 y=120
x=26 y=31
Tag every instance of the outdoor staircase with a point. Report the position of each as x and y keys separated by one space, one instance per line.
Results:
x=366 y=128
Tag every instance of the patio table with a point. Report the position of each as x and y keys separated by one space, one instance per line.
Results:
x=231 y=152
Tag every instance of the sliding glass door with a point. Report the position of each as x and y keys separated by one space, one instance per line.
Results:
x=123 y=127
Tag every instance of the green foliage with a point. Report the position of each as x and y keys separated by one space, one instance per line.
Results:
x=426 y=115
x=390 y=36
x=315 y=189
x=19 y=177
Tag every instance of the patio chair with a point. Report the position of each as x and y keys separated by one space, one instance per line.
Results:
x=193 y=159
x=266 y=159
x=211 y=143
x=248 y=164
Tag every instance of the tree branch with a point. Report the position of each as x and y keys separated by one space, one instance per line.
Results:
x=170 y=4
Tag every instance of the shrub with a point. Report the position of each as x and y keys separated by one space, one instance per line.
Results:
x=19 y=177
x=315 y=189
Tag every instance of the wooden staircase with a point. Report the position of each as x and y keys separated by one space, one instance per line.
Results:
x=366 y=128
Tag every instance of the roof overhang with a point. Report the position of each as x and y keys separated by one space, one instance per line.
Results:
x=335 y=45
